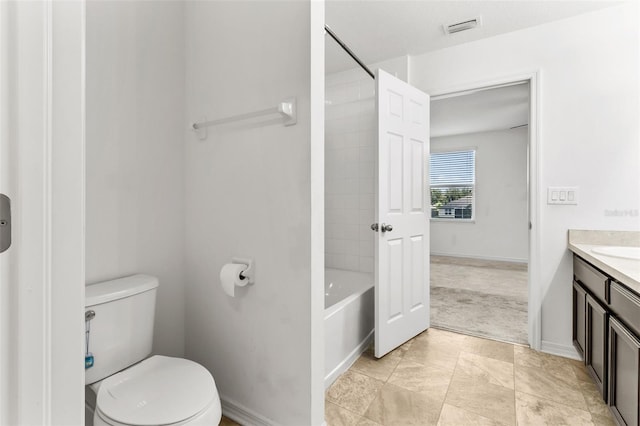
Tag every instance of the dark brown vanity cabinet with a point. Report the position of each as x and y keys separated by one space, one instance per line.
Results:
x=591 y=316
x=624 y=372
x=579 y=324
x=606 y=331
x=595 y=354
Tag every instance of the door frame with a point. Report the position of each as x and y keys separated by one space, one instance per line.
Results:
x=45 y=70
x=534 y=313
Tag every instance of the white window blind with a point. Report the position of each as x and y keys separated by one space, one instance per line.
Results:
x=453 y=178
x=453 y=168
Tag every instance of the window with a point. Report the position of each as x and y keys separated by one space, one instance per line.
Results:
x=453 y=179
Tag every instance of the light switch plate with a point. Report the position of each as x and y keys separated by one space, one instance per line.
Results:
x=566 y=195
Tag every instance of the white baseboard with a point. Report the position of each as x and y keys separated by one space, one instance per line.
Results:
x=243 y=415
x=480 y=257
x=567 y=351
x=495 y=258
x=348 y=361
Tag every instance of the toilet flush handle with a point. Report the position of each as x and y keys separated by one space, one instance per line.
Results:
x=88 y=356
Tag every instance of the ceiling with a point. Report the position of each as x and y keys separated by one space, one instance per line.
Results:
x=486 y=110
x=376 y=30
x=383 y=29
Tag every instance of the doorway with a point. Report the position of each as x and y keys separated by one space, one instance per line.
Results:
x=480 y=211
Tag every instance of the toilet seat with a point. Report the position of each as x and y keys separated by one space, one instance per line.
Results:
x=157 y=391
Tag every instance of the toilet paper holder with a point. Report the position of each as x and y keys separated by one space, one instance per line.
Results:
x=247 y=273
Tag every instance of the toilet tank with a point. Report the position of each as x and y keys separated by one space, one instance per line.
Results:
x=121 y=332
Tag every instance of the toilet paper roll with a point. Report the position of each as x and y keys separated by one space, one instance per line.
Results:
x=230 y=277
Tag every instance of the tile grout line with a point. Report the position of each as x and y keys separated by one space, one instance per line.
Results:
x=515 y=395
x=365 y=373
x=589 y=406
x=350 y=411
x=449 y=387
x=387 y=379
x=558 y=402
x=582 y=391
x=544 y=398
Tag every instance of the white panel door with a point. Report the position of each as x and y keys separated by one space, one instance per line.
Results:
x=402 y=207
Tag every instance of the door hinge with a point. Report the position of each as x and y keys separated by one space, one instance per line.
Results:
x=5 y=222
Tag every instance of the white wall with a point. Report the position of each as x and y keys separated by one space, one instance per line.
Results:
x=248 y=189
x=135 y=152
x=588 y=129
x=500 y=226
x=349 y=168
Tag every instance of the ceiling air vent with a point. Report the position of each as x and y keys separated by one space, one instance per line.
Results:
x=463 y=26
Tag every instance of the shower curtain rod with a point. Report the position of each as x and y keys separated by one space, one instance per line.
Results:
x=349 y=51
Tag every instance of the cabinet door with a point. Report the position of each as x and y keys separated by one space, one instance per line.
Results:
x=579 y=301
x=596 y=343
x=624 y=373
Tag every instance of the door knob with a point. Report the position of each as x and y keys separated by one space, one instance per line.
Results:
x=386 y=228
x=374 y=227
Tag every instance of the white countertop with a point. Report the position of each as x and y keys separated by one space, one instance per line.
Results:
x=626 y=271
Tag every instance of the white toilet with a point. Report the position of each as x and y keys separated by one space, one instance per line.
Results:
x=124 y=388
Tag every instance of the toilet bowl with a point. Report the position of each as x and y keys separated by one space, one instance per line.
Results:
x=157 y=391
x=123 y=386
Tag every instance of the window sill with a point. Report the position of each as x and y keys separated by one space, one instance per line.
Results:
x=442 y=219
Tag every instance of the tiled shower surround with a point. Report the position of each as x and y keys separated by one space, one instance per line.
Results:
x=349 y=171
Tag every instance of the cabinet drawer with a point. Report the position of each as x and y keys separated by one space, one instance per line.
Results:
x=590 y=278
x=626 y=306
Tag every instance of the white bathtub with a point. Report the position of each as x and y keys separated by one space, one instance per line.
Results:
x=348 y=319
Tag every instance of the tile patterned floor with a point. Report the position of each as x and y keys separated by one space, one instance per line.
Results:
x=227 y=422
x=444 y=378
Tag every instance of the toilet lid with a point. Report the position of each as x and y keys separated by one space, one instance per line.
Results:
x=157 y=391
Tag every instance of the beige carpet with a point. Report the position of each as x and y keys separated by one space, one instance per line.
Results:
x=481 y=298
